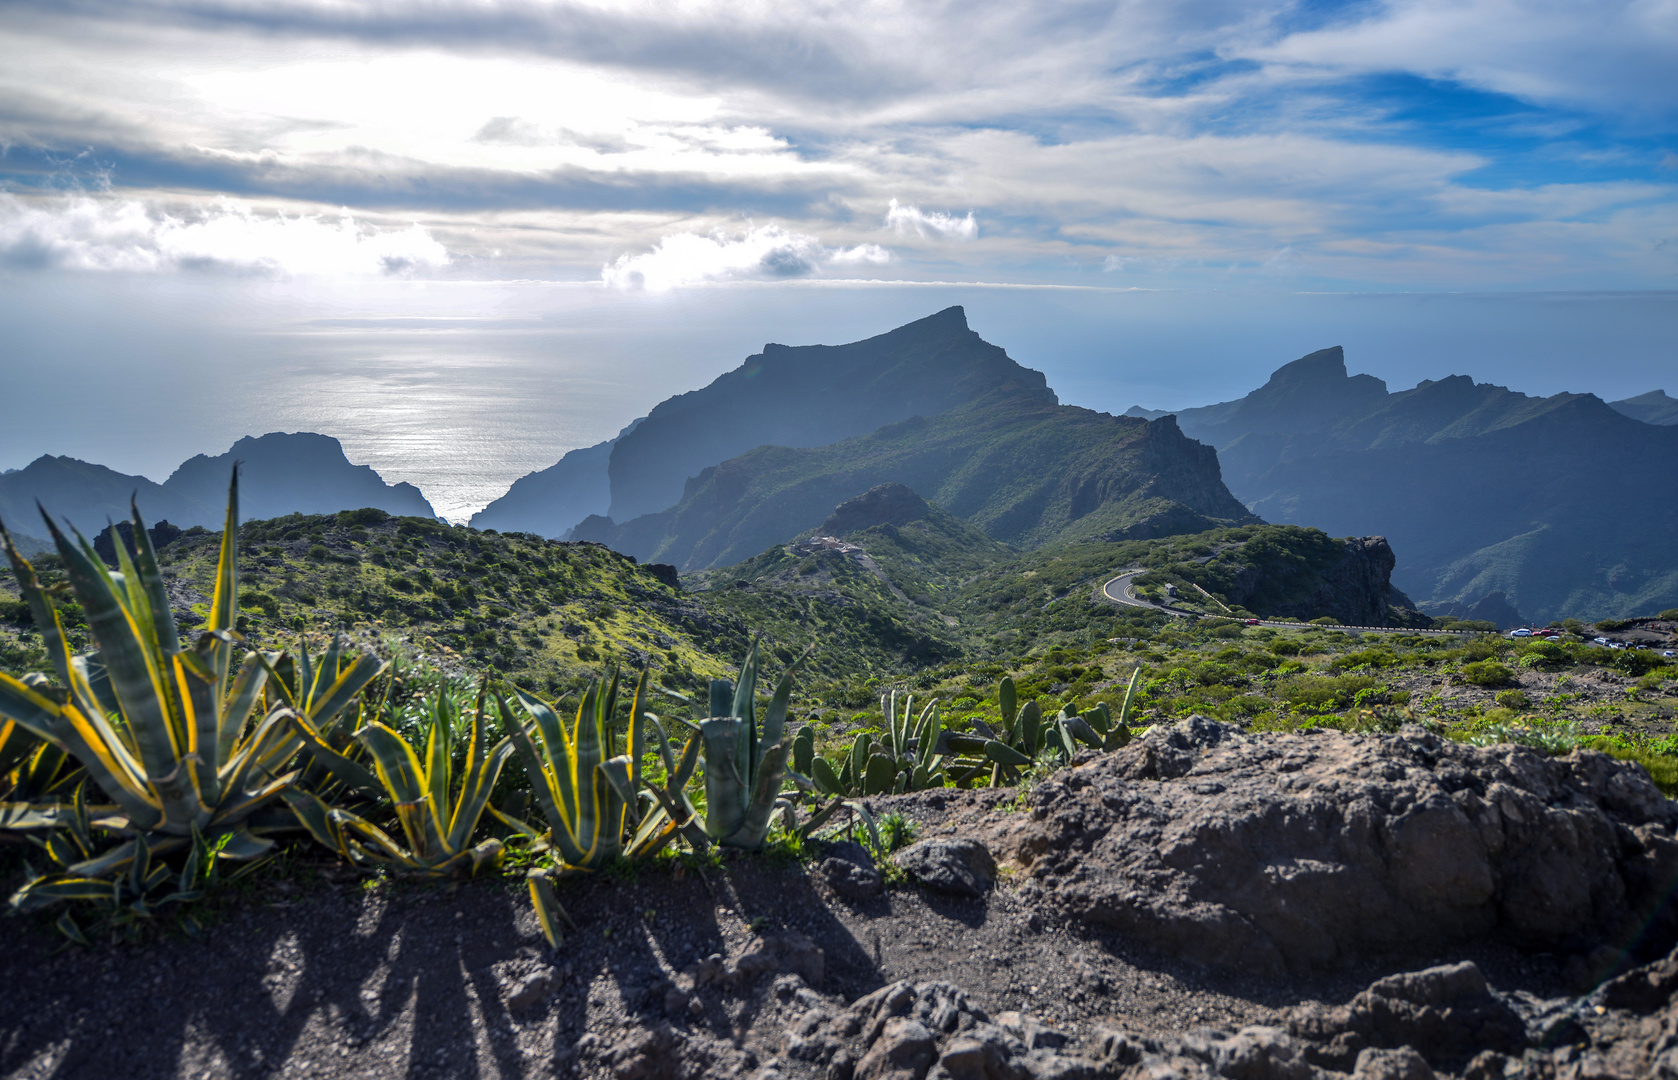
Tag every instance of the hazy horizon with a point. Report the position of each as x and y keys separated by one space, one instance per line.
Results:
x=460 y=394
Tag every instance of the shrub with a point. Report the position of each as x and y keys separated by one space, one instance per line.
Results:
x=318 y=553
x=367 y=515
x=1512 y=699
x=1485 y=673
x=1670 y=613
x=1319 y=691
x=1325 y=620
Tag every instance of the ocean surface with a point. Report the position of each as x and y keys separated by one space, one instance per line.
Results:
x=460 y=388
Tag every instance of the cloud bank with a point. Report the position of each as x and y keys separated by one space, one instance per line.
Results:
x=1405 y=143
x=112 y=234
x=764 y=252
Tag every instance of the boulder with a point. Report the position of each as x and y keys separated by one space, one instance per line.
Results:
x=960 y=867
x=1288 y=853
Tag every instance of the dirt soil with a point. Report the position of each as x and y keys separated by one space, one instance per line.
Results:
x=437 y=981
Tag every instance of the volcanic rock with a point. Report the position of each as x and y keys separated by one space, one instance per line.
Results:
x=1288 y=853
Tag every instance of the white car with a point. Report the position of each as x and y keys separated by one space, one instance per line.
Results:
x=1522 y=632
x=1600 y=640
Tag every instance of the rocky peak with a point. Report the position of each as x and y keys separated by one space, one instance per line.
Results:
x=882 y=504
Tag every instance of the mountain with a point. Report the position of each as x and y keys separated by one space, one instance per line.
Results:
x=1655 y=407
x=300 y=473
x=89 y=496
x=1558 y=503
x=1013 y=462
x=282 y=474
x=550 y=501
x=806 y=396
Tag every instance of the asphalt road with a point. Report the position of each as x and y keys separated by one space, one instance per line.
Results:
x=1120 y=590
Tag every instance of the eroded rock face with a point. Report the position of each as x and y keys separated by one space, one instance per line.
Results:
x=1281 y=853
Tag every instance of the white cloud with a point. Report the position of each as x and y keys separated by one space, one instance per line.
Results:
x=904 y=219
x=872 y=254
x=88 y=233
x=761 y=252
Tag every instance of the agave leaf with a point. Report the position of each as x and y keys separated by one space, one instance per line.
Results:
x=324 y=706
x=755 y=825
x=352 y=774
x=137 y=678
x=548 y=910
x=726 y=786
x=41 y=608
x=224 y=603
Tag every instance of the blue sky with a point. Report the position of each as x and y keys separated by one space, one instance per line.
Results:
x=267 y=164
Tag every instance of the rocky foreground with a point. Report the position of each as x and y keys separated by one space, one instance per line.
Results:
x=1200 y=904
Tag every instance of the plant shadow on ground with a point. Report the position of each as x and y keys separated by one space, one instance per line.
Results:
x=413 y=981
x=398 y=980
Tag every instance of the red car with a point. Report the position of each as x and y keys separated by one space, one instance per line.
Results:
x=1252 y=622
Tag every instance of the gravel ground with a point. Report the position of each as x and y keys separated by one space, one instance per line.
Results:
x=422 y=981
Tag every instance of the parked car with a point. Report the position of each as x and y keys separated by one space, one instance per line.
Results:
x=1252 y=622
x=1520 y=632
x=1600 y=640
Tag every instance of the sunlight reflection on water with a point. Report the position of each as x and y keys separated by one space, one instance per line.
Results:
x=461 y=427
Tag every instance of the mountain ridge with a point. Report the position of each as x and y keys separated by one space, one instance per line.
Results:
x=1548 y=501
x=282 y=473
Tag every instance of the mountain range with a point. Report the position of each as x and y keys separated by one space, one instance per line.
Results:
x=280 y=474
x=1498 y=505
x=1540 y=507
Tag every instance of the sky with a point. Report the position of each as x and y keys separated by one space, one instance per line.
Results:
x=466 y=235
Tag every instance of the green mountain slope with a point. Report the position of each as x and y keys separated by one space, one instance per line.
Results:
x=808 y=396
x=1014 y=464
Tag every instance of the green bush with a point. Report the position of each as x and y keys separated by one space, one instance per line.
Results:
x=1324 y=691
x=1669 y=613
x=1512 y=699
x=1485 y=673
x=318 y=553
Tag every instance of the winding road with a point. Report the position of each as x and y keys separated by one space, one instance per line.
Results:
x=1121 y=590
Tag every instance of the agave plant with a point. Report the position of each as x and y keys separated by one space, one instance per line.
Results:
x=668 y=812
x=438 y=829
x=184 y=743
x=120 y=902
x=744 y=765
x=590 y=793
